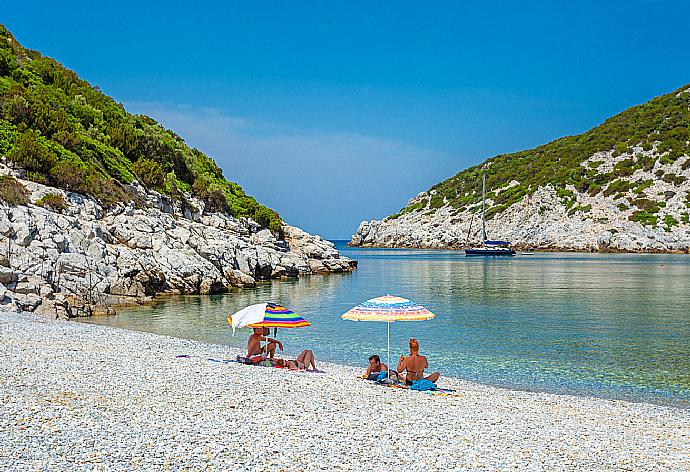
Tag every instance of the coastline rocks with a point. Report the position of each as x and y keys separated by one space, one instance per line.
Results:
x=83 y=259
x=551 y=219
x=7 y=275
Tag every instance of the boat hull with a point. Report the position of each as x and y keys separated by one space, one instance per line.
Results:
x=489 y=252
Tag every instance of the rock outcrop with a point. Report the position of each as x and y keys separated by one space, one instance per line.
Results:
x=83 y=260
x=558 y=219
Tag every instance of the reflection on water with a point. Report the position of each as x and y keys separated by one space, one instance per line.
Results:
x=612 y=325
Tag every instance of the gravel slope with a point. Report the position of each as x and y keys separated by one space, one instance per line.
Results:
x=85 y=397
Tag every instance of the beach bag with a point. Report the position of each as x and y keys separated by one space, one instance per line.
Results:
x=388 y=381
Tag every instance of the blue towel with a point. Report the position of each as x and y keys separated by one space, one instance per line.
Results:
x=422 y=385
x=382 y=375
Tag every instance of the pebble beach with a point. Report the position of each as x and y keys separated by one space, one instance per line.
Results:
x=85 y=397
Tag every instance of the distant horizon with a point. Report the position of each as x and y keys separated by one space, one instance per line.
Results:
x=336 y=113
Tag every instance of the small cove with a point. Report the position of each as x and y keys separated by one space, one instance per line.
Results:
x=609 y=325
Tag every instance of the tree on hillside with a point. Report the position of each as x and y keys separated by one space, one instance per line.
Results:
x=69 y=176
x=31 y=153
x=150 y=173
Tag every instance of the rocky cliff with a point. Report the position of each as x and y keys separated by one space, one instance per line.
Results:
x=79 y=259
x=622 y=186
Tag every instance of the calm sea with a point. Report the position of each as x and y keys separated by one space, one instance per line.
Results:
x=609 y=325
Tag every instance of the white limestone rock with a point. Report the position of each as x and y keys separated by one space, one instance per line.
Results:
x=92 y=256
x=545 y=220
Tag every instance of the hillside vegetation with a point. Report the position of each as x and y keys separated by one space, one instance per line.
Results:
x=66 y=133
x=661 y=125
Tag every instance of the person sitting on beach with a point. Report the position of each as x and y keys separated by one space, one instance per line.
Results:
x=303 y=362
x=255 y=352
x=415 y=364
x=375 y=367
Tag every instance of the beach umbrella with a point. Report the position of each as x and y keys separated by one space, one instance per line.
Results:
x=266 y=315
x=388 y=309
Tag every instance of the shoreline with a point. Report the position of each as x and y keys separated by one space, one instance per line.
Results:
x=79 y=394
x=519 y=248
x=444 y=377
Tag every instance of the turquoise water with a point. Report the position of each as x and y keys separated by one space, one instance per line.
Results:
x=610 y=325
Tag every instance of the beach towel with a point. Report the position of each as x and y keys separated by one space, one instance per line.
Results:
x=438 y=392
x=244 y=360
x=443 y=393
x=423 y=385
x=222 y=361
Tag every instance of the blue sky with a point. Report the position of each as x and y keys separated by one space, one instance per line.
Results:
x=335 y=112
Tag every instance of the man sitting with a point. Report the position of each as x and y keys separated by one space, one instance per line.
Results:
x=255 y=352
x=375 y=367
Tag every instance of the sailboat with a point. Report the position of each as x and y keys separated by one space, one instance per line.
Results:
x=490 y=247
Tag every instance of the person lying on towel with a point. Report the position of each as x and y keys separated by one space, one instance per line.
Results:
x=415 y=364
x=375 y=368
x=255 y=352
x=303 y=362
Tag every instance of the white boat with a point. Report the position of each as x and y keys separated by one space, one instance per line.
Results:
x=489 y=247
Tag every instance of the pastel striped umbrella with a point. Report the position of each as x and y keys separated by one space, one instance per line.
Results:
x=388 y=309
x=266 y=315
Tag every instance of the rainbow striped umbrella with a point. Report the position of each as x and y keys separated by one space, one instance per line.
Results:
x=388 y=309
x=266 y=315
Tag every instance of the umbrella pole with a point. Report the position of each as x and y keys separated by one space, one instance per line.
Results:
x=389 y=349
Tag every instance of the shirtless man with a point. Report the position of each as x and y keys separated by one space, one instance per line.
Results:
x=254 y=350
x=375 y=366
x=415 y=364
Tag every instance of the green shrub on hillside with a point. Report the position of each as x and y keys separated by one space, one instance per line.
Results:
x=644 y=218
x=618 y=187
x=625 y=167
x=150 y=173
x=106 y=190
x=581 y=208
x=669 y=223
x=436 y=201
x=674 y=179
x=495 y=210
x=12 y=192
x=567 y=197
x=70 y=175
x=52 y=200
x=642 y=186
x=31 y=153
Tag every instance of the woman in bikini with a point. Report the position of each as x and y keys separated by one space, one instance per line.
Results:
x=415 y=364
x=303 y=362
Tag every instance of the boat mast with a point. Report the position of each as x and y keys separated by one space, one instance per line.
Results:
x=484 y=206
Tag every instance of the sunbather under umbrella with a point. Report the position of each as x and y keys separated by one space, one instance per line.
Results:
x=388 y=309
x=266 y=315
